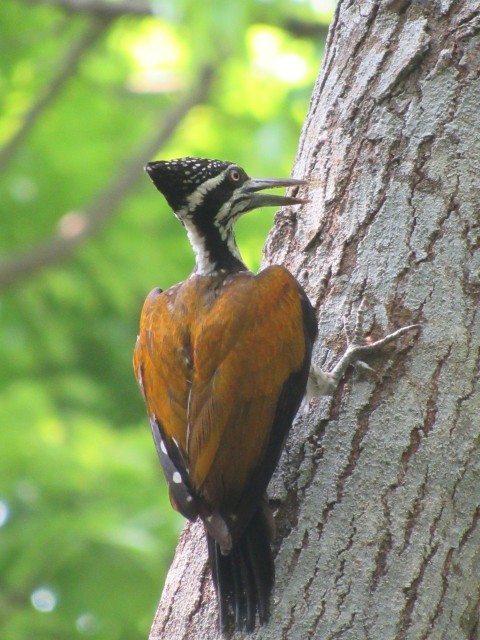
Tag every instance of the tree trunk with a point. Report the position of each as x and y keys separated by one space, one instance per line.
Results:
x=378 y=534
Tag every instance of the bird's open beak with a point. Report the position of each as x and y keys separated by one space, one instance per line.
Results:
x=256 y=200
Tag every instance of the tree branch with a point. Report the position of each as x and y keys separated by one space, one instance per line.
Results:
x=102 y=8
x=305 y=29
x=66 y=70
x=89 y=221
x=296 y=27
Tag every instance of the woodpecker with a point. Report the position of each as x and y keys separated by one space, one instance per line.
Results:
x=223 y=360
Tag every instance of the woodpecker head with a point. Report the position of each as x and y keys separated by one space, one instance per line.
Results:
x=208 y=196
x=221 y=191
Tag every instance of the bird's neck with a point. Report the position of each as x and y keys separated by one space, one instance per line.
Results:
x=215 y=250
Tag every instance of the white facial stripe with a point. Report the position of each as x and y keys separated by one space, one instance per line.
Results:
x=222 y=213
x=229 y=210
x=232 y=245
x=195 y=199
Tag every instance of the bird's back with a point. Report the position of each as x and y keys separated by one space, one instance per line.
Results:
x=222 y=362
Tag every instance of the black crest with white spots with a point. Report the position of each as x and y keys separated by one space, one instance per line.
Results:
x=178 y=179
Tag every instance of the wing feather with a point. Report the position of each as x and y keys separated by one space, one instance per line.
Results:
x=247 y=348
x=163 y=372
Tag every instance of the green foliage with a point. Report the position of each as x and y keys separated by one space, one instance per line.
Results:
x=86 y=520
x=86 y=531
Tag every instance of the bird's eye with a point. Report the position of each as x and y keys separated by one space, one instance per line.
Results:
x=234 y=175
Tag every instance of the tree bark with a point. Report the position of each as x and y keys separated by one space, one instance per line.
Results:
x=378 y=534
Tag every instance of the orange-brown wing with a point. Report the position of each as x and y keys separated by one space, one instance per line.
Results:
x=252 y=355
x=163 y=369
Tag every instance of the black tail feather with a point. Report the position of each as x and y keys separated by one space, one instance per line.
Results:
x=220 y=574
x=263 y=588
x=249 y=595
x=244 y=578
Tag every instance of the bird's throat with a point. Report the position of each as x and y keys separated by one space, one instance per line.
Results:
x=215 y=252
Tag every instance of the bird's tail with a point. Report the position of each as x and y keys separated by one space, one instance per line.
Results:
x=244 y=578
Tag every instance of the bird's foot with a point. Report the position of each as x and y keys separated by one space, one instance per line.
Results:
x=325 y=383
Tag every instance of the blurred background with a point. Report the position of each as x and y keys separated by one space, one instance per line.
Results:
x=89 y=91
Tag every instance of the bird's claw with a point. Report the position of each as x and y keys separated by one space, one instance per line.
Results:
x=362 y=367
x=355 y=336
x=326 y=382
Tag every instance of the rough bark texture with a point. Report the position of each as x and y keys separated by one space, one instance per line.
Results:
x=378 y=490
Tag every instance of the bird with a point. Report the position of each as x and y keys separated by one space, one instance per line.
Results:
x=222 y=361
